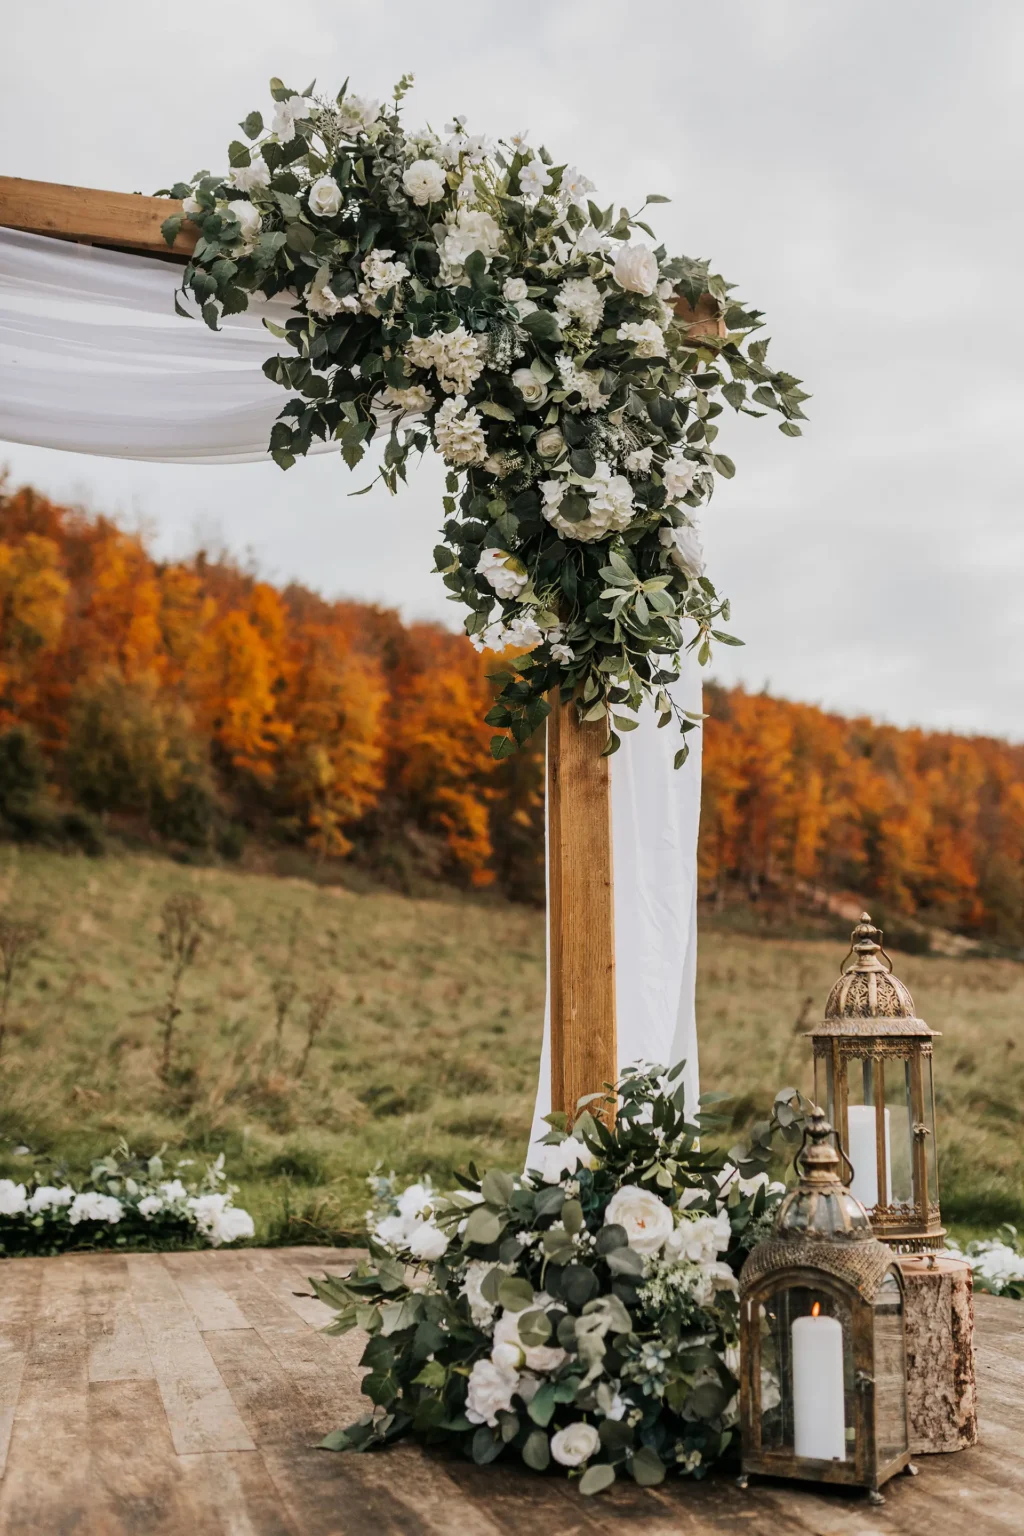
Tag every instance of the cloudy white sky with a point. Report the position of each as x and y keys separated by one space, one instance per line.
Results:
x=854 y=166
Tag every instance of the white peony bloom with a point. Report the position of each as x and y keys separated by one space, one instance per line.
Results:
x=562 y=652
x=564 y=1157
x=414 y=399
x=678 y=476
x=474 y=230
x=287 y=114
x=573 y=1446
x=458 y=433
x=357 y=113
x=639 y=462
x=453 y=355
x=537 y=1357
x=220 y=1221
x=425 y=183
x=427 y=1241
x=550 y=443
x=636 y=269
x=685 y=549
x=646 y=1219
x=491 y=1388
x=325 y=197
x=12 y=1198
x=523 y=633
x=610 y=505
x=514 y=289
x=576 y=187
x=47 y=1198
x=249 y=178
x=480 y=1309
x=173 y=1189
x=699 y=1239
x=90 y=1206
x=579 y=298
x=533 y=390
x=502 y=572
x=648 y=338
x=534 y=177
x=150 y=1206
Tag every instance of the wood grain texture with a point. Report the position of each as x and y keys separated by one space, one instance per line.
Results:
x=942 y=1396
x=124 y=220
x=95 y=1449
x=581 y=919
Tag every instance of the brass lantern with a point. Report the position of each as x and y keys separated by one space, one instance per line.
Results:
x=873 y=1077
x=823 y=1379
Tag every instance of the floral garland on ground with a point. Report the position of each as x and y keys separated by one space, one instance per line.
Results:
x=474 y=298
x=583 y=1314
x=997 y=1262
x=127 y=1202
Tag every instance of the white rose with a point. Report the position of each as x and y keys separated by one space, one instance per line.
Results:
x=678 y=476
x=425 y=182
x=150 y=1205
x=428 y=1241
x=538 y=1357
x=533 y=390
x=325 y=197
x=248 y=177
x=12 y=1198
x=684 y=548
x=514 y=290
x=490 y=1391
x=550 y=443
x=646 y=1219
x=636 y=269
x=502 y=572
x=392 y=1231
x=573 y=1446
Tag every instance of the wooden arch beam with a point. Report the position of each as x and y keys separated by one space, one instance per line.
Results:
x=124 y=221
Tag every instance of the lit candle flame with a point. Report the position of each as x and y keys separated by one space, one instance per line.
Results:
x=816 y=1309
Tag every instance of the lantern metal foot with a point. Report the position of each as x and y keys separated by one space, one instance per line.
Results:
x=743 y=1481
x=874 y=1497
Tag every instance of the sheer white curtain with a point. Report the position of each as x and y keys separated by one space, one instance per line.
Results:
x=93 y=359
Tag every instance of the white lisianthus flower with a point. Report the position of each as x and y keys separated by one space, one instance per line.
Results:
x=576 y=187
x=678 y=476
x=591 y=242
x=533 y=390
x=325 y=197
x=149 y=1206
x=502 y=572
x=173 y=1189
x=424 y=181
x=90 y=1206
x=287 y=114
x=357 y=113
x=458 y=433
x=572 y=1446
x=47 y=1198
x=639 y=461
x=534 y=177
x=251 y=177
x=636 y=269
x=490 y=1392
x=220 y=1221
x=523 y=633
x=514 y=290
x=562 y=652
x=427 y=1241
x=12 y=1198
x=579 y=298
x=684 y=548
x=480 y=1309
x=610 y=505
x=416 y=398
x=537 y=1357
x=648 y=338
x=550 y=443
x=646 y=1219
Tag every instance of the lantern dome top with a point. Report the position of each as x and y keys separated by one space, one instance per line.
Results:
x=868 y=998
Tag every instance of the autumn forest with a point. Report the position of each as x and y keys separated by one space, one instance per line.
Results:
x=194 y=703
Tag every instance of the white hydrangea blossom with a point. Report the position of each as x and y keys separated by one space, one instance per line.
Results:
x=480 y=1309
x=458 y=433
x=585 y=381
x=454 y=356
x=49 y=1198
x=322 y=301
x=90 y=1206
x=416 y=399
x=579 y=298
x=639 y=461
x=610 y=505
x=381 y=274
x=472 y=230
x=523 y=633
x=502 y=572
x=648 y=338
x=490 y=1392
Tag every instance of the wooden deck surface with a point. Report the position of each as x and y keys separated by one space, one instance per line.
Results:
x=182 y=1393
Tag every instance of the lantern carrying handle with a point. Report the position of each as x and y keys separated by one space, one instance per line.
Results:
x=860 y=942
x=837 y=1143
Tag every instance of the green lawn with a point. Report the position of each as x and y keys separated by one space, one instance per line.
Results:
x=428 y=1057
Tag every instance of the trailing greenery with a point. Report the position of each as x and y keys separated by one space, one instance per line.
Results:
x=472 y=297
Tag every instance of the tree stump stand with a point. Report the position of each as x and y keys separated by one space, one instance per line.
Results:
x=942 y=1395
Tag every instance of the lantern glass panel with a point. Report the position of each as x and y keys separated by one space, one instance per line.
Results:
x=824 y=1088
x=931 y=1150
x=901 y=1130
x=890 y=1372
x=802 y=1377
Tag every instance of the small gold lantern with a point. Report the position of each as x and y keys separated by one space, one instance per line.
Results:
x=873 y=1077
x=823 y=1380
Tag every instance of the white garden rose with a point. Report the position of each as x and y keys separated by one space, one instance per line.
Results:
x=326 y=197
x=428 y=1241
x=550 y=443
x=502 y=571
x=414 y=1201
x=685 y=549
x=249 y=178
x=610 y=505
x=678 y=476
x=12 y=1198
x=425 y=182
x=514 y=290
x=565 y=1157
x=508 y=1357
x=636 y=269
x=48 y=1197
x=646 y=1219
x=490 y=1392
x=533 y=390
x=572 y=1446
x=249 y=220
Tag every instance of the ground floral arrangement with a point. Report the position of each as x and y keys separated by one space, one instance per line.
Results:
x=583 y=1314
x=997 y=1262
x=127 y=1202
x=473 y=297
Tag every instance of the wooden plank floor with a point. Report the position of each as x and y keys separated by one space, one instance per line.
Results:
x=181 y=1394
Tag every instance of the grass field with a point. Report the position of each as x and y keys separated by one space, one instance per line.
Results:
x=428 y=1055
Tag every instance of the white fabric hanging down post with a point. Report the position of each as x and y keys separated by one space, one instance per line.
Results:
x=93 y=359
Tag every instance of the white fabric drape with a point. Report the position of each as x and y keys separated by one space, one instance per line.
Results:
x=93 y=359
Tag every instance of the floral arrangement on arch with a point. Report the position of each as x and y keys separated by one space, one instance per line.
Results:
x=474 y=297
x=583 y=1315
x=127 y=1202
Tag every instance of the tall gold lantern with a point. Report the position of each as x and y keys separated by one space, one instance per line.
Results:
x=873 y=1078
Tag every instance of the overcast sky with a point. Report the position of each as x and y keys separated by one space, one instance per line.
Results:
x=854 y=166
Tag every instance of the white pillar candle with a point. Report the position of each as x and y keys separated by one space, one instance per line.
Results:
x=863 y=1154
x=819 y=1399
